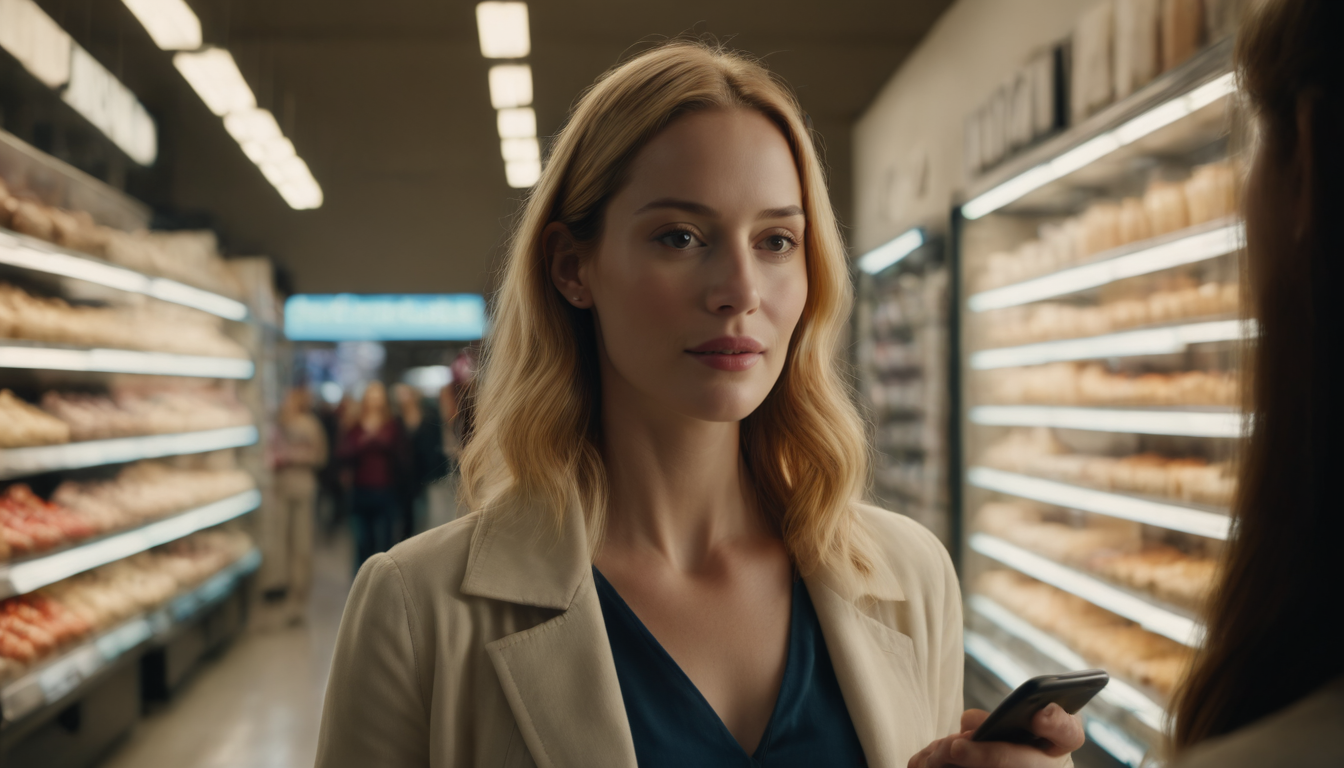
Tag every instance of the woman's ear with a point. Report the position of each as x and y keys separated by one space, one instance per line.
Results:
x=563 y=257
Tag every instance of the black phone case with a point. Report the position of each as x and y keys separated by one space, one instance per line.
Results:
x=1011 y=720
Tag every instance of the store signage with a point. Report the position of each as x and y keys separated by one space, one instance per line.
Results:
x=385 y=317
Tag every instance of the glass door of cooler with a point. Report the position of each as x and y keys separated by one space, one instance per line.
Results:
x=1098 y=318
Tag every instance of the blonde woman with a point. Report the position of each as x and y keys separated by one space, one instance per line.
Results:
x=666 y=563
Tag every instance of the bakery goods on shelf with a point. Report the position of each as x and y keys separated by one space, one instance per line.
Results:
x=188 y=257
x=1093 y=384
x=38 y=626
x=1166 y=207
x=151 y=326
x=1116 y=644
x=80 y=509
x=1112 y=549
x=1038 y=452
x=24 y=424
x=1048 y=321
x=127 y=414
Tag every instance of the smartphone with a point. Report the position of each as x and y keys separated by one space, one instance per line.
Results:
x=1011 y=720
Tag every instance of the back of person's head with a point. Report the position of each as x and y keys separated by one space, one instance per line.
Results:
x=538 y=435
x=1275 y=623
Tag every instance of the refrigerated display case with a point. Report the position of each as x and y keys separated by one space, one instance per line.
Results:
x=902 y=366
x=1097 y=292
x=122 y=544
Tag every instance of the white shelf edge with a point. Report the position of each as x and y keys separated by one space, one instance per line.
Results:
x=17 y=462
x=1013 y=674
x=1150 y=616
x=1170 y=516
x=1118 y=693
x=1147 y=341
x=51 y=681
x=1184 y=422
x=27 y=575
x=17 y=250
x=33 y=357
x=1130 y=261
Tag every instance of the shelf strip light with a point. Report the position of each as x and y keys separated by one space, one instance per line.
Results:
x=54 y=680
x=20 y=251
x=1150 y=341
x=1118 y=692
x=892 y=251
x=1100 y=146
x=1185 y=423
x=17 y=462
x=1170 y=516
x=1151 y=617
x=22 y=578
x=1173 y=253
x=124 y=361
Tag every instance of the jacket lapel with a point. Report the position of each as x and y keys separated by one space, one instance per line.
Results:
x=875 y=666
x=559 y=676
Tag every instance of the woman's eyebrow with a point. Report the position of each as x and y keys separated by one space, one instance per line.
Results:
x=699 y=209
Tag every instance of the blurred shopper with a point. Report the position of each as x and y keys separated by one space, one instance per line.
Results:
x=424 y=433
x=300 y=451
x=666 y=564
x=330 y=494
x=374 y=449
x=1268 y=687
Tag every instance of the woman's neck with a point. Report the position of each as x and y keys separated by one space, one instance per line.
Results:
x=678 y=487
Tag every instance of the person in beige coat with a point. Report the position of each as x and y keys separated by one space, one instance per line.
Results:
x=667 y=562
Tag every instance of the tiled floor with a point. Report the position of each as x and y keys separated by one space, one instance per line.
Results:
x=259 y=704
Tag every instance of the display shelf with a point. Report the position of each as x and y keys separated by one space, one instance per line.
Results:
x=1145 y=611
x=18 y=462
x=1201 y=522
x=1190 y=246
x=31 y=254
x=60 y=358
x=1166 y=340
x=21 y=577
x=1181 y=422
x=1013 y=672
x=50 y=683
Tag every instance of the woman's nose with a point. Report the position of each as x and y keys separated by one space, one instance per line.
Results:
x=734 y=288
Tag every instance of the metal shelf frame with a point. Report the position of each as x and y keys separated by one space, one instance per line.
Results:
x=32 y=460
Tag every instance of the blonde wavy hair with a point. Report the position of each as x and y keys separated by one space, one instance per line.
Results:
x=538 y=437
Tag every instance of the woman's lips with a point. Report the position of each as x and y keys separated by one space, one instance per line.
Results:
x=729 y=353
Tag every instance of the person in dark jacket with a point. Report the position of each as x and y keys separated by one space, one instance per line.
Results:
x=374 y=448
x=423 y=428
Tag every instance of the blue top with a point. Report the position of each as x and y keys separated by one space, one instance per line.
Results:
x=673 y=726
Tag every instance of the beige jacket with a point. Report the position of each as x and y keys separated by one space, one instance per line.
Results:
x=481 y=643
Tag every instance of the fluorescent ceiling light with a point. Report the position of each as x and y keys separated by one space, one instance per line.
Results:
x=252 y=125
x=38 y=42
x=1150 y=341
x=170 y=23
x=17 y=462
x=520 y=149
x=510 y=85
x=268 y=152
x=1100 y=146
x=893 y=251
x=503 y=30
x=1117 y=692
x=214 y=75
x=1179 y=422
x=1170 y=516
x=27 y=576
x=522 y=174
x=1151 y=617
x=295 y=183
x=1188 y=249
x=519 y=123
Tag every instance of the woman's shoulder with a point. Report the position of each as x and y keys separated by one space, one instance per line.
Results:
x=1304 y=735
x=907 y=551
x=434 y=562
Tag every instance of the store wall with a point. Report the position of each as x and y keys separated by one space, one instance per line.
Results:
x=907 y=147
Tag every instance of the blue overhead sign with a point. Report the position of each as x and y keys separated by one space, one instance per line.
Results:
x=385 y=317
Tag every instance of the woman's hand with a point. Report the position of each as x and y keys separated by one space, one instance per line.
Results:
x=1062 y=731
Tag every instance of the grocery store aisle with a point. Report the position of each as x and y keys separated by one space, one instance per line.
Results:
x=258 y=705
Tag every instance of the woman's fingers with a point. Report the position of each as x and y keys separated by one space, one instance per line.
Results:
x=1062 y=730
x=972 y=718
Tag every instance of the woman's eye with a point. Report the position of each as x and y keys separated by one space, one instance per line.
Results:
x=778 y=244
x=680 y=239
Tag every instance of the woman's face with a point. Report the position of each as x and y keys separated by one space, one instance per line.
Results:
x=700 y=275
x=375 y=398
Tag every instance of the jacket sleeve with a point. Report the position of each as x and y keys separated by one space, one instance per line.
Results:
x=375 y=712
x=949 y=662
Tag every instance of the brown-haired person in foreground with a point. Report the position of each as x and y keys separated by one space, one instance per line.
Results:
x=667 y=562
x=1268 y=687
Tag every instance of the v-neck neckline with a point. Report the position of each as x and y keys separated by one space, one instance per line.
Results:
x=790 y=663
